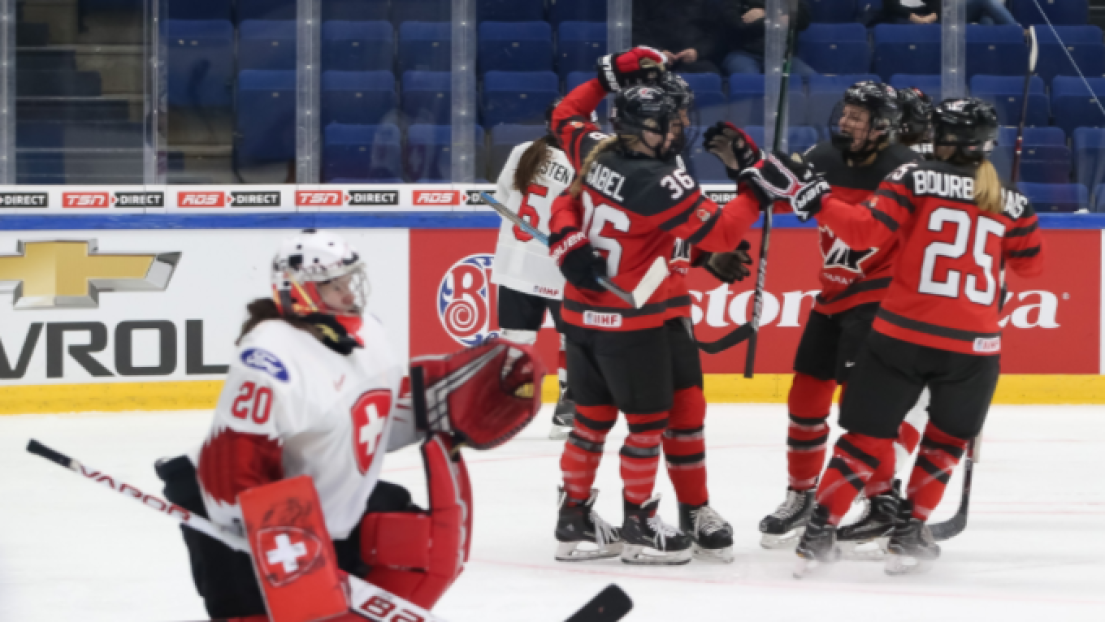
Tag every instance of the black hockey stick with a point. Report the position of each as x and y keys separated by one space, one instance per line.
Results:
x=735 y=336
x=957 y=523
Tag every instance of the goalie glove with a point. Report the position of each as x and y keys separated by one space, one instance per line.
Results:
x=779 y=178
x=638 y=66
x=732 y=266
x=482 y=396
x=733 y=146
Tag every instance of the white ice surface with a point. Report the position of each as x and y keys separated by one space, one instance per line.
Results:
x=1034 y=548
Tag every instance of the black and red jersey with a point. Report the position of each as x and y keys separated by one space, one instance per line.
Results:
x=852 y=276
x=947 y=278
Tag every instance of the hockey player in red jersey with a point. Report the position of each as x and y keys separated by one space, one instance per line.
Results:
x=315 y=390
x=636 y=202
x=938 y=327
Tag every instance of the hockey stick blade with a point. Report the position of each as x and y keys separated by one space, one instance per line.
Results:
x=650 y=282
x=611 y=604
x=736 y=336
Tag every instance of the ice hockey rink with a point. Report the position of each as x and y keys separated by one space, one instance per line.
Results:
x=1034 y=548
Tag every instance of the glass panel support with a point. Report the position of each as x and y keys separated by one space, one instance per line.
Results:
x=155 y=96
x=462 y=155
x=308 y=144
x=7 y=92
x=776 y=23
x=953 y=43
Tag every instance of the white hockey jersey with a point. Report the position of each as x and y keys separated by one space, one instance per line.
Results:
x=522 y=263
x=292 y=406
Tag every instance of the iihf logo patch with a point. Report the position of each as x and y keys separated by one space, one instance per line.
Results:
x=464 y=300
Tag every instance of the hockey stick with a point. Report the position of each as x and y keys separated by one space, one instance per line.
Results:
x=655 y=276
x=609 y=605
x=957 y=523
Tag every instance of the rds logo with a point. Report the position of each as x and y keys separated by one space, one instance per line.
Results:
x=464 y=300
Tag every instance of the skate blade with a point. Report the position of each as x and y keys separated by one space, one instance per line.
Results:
x=867 y=550
x=898 y=565
x=786 y=541
x=805 y=567
x=571 y=551
x=639 y=555
x=559 y=432
x=724 y=555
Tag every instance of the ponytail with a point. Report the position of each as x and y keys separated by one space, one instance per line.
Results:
x=529 y=165
x=988 y=188
x=604 y=145
x=263 y=309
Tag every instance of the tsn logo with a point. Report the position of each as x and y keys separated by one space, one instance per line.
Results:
x=437 y=197
x=84 y=199
x=201 y=199
x=315 y=198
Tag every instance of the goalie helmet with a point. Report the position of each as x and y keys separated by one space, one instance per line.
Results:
x=969 y=124
x=310 y=259
x=884 y=117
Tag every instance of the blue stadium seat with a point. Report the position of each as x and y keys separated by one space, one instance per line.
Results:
x=930 y=84
x=578 y=45
x=427 y=97
x=355 y=10
x=266 y=116
x=361 y=153
x=265 y=44
x=265 y=9
x=1089 y=157
x=561 y=11
x=428 y=153
x=835 y=48
x=199 y=9
x=996 y=50
x=825 y=92
x=515 y=46
x=504 y=138
x=517 y=96
x=58 y=83
x=746 y=100
x=906 y=48
x=200 y=62
x=577 y=78
x=421 y=11
x=1072 y=106
x=1084 y=43
x=358 y=97
x=1056 y=197
x=1044 y=157
x=510 y=10
x=705 y=166
x=357 y=46
x=710 y=105
x=425 y=46
x=833 y=11
x=1006 y=93
x=1066 y=12
x=1098 y=198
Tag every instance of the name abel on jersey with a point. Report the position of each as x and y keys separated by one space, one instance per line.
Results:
x=606 y=181
x=961 y=188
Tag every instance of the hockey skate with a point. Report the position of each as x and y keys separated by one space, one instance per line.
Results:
x=867 y=538
x=782 y=528
x=818 y=544
x=648 y=541
x=582 y=533
x=912 y=548
x=711 y=535
x=563 y=418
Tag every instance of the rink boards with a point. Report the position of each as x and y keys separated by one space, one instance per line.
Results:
x=113 y=313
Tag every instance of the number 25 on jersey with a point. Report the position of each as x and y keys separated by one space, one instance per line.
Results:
x=978 y=293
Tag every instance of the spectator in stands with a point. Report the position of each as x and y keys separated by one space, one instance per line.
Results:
x=684 y=30
x=744 y=20
x=987 y=12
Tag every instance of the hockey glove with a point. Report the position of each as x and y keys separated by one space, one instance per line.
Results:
x=732 y=266
x=733 y=146
x=577 y=259
x=780 y=178
x=638 y=66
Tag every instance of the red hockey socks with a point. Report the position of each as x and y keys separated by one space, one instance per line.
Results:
x=641 y=455
x=583 y=450
x=940 y=452
x=685 y=446
x=808 y=434
x=855 y=459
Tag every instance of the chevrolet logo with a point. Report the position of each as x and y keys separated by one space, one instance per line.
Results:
x=71 y=274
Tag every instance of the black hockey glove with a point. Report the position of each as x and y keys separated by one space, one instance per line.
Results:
x=638 y=66
x=790 y=179
x=577 y=259
x=732 y=266
x=733 y=146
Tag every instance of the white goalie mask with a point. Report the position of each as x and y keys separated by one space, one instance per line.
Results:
x=318 y=272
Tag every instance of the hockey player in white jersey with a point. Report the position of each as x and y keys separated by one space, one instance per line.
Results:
x=314 y=389
x=529 y=281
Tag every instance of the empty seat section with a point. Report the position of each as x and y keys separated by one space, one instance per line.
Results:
x=266 y=116
x=355 y=10
x=710 y=104
x=825 y=92
x=1083 y=43
x=266 y=44
x=510 y=46
x=1072 y=106
x=357 y=46
x=58 y=84
x=425 y=46
x=504 y=138
x=1066 y=12
x=576 y=11
x=705 y=166
x=579 y=44
x=200 y=62
x=929 y=84
x=265 y=9
x=1044 y=157
x=358 y=97
x=510 y=10
x=199 y=9
x=746 y=100
x=996 y=50
x=835 y=48
x=428 y=156
x=902 y=48
x=421 y=11
x=1006 y=93
x=427 y=97
x=1089 y=156
x=365 y=153
x=577 y=78
x=831 y=11
x=1056 y=197
x=517 y=96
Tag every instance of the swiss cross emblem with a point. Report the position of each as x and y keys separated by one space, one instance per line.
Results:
x=287 y=553
x=369 y=419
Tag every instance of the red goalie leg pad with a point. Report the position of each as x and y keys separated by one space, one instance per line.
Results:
x=940 y=452
x=855 y=459
x=583 y=451
x=641 y=455
x=809 y=401
x=685 y=446
x=292 y=553
x=418 y=555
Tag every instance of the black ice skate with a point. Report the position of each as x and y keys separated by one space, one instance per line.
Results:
x=582 y=533
x=711 y=535
x=648 y=541
x=563 y=418
x=783 y=527
x=818 y=544
x=912 y=548
x=874 y=526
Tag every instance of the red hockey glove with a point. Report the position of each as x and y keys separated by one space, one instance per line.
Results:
x=483 y=395
x=733 y=146
x=732 y=266
x=789 y=179
x=577 y=259
x=640 y=65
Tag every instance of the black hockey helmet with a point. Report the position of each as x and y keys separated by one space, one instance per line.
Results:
x=916 y=116
x=885 y=115
x=677 y=88
x=968 y=123
x=641 y=109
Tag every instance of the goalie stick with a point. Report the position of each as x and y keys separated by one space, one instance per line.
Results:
x=656 y=274
x=610 y=605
